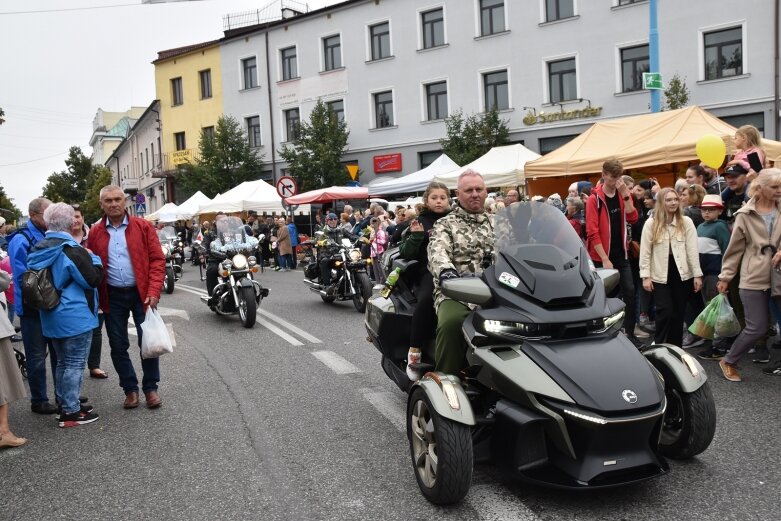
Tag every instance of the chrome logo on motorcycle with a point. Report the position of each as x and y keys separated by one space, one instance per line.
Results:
x=629 y=396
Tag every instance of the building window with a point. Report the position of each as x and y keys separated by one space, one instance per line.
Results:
x=756 y=118
x=332 y=52
x=491 y=17
x=337 y=107
x=206 y=83
x=380 y=40
x=630 y=2
x=177 y=98
x=292 y=124
x=249 y=68
x=634 y=62
x=724 y=53
x=289 y=63
x=496 y=92
x=207 y=133
x=141 y=162
x=433 y=28
x=146 y=154
x=253 y=131
x=563 y=80
x=154 y=162
x=383 y=109
x=559 y=9
x=428 y=157
x=179 y=141
x=436 y=100
x=549 y=144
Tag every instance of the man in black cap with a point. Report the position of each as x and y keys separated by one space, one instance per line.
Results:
x=332 y=239
x=736 y=193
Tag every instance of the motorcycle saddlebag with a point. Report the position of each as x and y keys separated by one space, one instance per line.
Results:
x=312 y=271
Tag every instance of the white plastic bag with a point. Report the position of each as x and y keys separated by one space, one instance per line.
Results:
x=154 y=336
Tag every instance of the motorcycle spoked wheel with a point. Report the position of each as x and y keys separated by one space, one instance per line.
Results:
x=169 y=281
x=248 y=307
x=363 y=291
x=689 y=422
x=441 y=451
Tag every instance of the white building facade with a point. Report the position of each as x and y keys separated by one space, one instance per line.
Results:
x=394 y=69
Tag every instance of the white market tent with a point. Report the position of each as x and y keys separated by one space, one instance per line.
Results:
x=500 y=166
x=250 y=195
x=190 y=207
x=166 y=213
x=416 y=181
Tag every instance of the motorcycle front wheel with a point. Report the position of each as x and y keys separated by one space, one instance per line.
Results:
x=363 y=291
x=170 y=278
x=248 y=307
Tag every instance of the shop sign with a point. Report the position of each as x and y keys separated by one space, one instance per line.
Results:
x=387 y=163
x=546 y=117
x=181 y=157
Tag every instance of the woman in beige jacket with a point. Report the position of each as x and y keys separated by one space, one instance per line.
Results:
x=757 y=224
x=669 y=264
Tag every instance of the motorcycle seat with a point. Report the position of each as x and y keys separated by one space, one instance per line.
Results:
x=403 y=264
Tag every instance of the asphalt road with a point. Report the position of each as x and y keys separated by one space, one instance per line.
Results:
x=295 y=419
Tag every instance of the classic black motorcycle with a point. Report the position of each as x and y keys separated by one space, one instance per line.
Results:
x=237 y=291
x=552 y=389
x=349 y=279
x=173 y=249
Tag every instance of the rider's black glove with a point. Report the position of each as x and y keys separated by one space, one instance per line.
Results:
x=447 y=274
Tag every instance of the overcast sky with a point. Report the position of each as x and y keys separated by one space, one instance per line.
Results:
x=58 y=67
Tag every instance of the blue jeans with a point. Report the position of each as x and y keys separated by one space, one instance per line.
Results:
x=35 y=352
x=71 y=358
x=121 y=303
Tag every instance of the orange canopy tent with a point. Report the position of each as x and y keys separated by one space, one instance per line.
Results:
x=648 y=145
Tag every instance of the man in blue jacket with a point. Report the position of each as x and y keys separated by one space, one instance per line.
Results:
x=76 y=274
x=32 y=335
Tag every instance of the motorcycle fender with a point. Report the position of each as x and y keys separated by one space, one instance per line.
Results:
x=436 y=385
x=245 y=282
x=671 y=357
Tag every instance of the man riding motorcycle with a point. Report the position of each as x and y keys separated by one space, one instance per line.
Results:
x=331 y=240
x=213 y=259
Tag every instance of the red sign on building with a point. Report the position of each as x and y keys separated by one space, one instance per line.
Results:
x=387 y=163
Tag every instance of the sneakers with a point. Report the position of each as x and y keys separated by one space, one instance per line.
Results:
x=774 y=370
x=645 y=323
x=85 y=408
x=76 y=419
x=761 y=355
x=711 y=354
x=730 y=371
x=690 y=340
x=641 y=333
x=43 y=408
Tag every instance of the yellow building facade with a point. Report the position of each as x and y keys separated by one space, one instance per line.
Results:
x=189 y=87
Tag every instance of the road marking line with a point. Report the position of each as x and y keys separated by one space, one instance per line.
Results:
x=271 y=316
x=390 y=405
x=497 y=504
x=265 y=323
x=335 y=362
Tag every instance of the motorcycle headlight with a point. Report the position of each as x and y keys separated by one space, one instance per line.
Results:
x=516 y=329
x=227 y=264
x=240 y=261
x=252 y=260
x=181 y=244
x=166 y=251
x=355 y=255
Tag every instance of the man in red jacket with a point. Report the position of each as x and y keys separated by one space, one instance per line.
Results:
x=134 y=269
x=608 y=210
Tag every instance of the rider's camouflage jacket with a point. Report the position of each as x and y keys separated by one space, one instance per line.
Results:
x=460 y=241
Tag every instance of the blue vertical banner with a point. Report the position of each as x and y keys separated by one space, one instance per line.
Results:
x=653 y=54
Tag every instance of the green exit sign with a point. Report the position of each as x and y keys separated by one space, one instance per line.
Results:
x=652 y=80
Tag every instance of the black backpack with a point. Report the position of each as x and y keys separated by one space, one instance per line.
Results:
x=38 y=290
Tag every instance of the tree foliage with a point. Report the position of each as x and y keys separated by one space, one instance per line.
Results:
x=676 y=94
x=226 y=160
x=101 y=176
x=7 y=207
x=70 y=185
x=2 y=114
x=469 y=137
x=315 y=159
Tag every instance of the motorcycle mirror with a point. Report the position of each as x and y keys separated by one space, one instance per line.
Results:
x=468 y=289
x=610 y=279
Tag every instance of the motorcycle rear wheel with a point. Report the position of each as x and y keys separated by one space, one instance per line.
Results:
x=248 y=307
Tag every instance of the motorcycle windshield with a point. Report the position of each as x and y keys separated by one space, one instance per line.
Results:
x=166 y=234
x=232 y=236
x=538 y=252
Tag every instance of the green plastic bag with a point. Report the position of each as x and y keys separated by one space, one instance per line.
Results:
x=704 y=326
x=727 y=324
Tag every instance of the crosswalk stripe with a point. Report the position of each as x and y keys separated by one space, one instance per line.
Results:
x=335 y=362
x=390 y=405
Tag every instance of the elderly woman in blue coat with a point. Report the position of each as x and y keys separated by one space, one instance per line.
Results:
x=76 y=273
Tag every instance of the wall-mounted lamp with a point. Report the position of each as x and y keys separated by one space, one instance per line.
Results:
x=533 y=110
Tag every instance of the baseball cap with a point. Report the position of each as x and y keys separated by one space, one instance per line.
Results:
x=2 y=221
x=331 y=216
x=735 y=170
x=712 y=201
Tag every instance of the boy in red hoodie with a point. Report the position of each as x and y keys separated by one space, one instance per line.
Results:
x=608 y=210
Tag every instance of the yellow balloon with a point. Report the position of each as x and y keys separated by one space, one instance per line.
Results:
x=711 y=150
